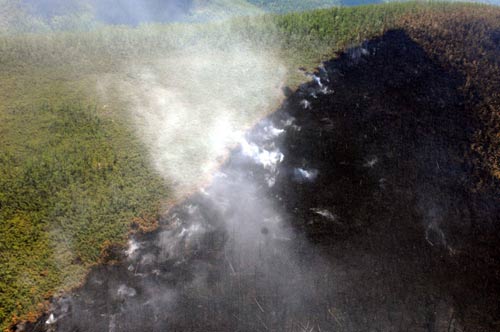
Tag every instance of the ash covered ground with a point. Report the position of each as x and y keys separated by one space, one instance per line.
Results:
x=348 y=209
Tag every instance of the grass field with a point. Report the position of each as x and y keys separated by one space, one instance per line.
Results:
x=73 y=172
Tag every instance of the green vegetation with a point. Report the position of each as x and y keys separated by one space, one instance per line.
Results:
x=65 y=190
x=279 y=6
x=72 y=174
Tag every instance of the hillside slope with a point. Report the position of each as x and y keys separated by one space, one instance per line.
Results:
x=372 y=217
x=74 y=176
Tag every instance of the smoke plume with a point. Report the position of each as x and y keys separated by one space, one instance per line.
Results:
x=191 y=107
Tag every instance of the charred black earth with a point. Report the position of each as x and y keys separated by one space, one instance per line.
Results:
x=348 y=209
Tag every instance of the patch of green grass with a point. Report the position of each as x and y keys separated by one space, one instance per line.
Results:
x=65 y=190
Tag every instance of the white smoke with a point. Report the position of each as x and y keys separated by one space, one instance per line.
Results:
x=190 y=108
x=269 y=159
x=125 y=291
x=131 y=251
x=305 y=175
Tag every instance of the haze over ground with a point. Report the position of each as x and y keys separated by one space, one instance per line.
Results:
x=32 y=15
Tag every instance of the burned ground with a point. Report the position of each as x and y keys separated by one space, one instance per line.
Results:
x=396 y=162
x=364 y=216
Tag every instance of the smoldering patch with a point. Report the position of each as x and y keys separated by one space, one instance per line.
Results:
x=124 y=291
x=327 y=214
x=132 y=249
x=302 y=175
x=306 y=104
x=268 y=159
